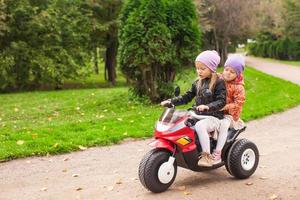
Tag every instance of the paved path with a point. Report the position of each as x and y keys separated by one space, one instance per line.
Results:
x=284 y=71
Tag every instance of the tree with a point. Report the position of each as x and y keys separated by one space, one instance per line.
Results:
x=44 y=45
x=103 y=15
x=186 y=36
x=291 y=16
x=155 y=39
x=3 y=16
x=227 y=21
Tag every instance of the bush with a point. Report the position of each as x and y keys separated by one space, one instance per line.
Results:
x=156 y=38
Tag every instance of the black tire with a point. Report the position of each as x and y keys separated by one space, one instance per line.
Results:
x=227 y=168
x=237 y=167
x=148 y=170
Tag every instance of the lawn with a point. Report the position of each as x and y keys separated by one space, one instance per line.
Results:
x=37 y=123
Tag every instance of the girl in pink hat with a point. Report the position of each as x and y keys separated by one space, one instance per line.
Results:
x=210 y=97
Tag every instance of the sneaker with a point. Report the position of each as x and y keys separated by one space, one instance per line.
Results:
x=206 y=160
x=216 y=155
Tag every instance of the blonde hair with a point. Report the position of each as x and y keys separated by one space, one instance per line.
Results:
x=212 y=82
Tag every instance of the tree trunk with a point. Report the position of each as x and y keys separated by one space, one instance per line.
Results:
x=223 y=52
x=110 y=61
x=96 y=68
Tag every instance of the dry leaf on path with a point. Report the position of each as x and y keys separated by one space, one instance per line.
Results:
x=110 y=188
x=263 y=178
x=187 y=193
x=273 y=197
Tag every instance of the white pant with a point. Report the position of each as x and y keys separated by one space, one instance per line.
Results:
x=205 y=126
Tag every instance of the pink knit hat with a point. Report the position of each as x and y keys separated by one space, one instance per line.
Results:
x=210 y=58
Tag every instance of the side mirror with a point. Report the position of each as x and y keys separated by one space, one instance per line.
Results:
x=177 y=91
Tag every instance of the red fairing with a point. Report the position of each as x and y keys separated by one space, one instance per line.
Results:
x=167 y=139
x=162 y=144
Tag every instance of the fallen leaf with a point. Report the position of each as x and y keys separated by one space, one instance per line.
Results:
x=34 y=135
x=65 y=159
x=110 y=188
x=44 y=189
x=119 y=182
x=119 y=119
x=249 y=183
x=187 y=193
x=75 y=175
x=263 y=178
x=79 y=188
x=49 y=119
x=125 y=133
x=77 y=108
x=93 y=94
x=82 y=114
x=55 y=145
x=64 y=170
x=20 y=142
x=82 y=147
x=131 y=121
x=273 y=197
x=16 y=109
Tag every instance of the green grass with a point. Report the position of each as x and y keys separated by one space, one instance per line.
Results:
x=59 y=121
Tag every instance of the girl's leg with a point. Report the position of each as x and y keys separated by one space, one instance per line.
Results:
x=203 y=127
x=222 y=137
x=223 y=133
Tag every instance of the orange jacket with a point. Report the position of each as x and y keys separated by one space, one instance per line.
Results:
x=235 y=97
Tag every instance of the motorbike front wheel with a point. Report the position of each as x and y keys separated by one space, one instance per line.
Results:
x=155 y=171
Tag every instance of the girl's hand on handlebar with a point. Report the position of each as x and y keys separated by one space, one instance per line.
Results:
x=165 y=103
x=202 y=108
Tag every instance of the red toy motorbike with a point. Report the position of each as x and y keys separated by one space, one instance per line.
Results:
x=176 y=144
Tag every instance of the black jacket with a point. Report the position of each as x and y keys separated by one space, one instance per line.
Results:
x=215 y=100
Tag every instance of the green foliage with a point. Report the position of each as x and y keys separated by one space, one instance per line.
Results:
x=44 y=43
x=156 y=38
x=268 y=45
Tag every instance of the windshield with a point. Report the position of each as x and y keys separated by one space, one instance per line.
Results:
x=170 y=115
